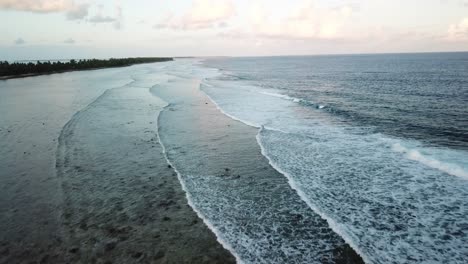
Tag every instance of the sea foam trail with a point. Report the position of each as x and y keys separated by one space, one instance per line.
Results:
x=357 y=180
x=205 y=220
x=294 y=99
x=333 y=225
x=224 y=112
x=337 y=228
x=414 y=154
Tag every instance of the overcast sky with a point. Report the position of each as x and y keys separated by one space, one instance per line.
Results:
x=48 y=29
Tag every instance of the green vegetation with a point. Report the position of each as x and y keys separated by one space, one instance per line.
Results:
x=16 y=69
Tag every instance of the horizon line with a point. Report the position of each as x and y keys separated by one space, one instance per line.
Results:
x=250 y=56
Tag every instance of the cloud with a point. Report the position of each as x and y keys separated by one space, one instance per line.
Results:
x=201 y=15
x=101 y=19
x=20 y=41
x=72 y=9
x=69 y=41
x=223 y=24
x=307 y=21
x=78 y=12
x=40 y=6
x=458 y=32
x=117 y=20
x=118 y=24
x=169 y=21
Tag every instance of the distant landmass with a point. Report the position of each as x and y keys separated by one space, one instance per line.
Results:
x=21 y=69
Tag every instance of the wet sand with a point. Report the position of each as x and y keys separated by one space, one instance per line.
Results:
x=84 y=180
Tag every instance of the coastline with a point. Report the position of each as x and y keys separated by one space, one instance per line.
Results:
x=18 y=76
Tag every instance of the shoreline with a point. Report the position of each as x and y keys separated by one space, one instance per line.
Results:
x=190 y=203
x=5 y=78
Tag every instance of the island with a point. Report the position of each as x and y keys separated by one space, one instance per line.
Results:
x=19 y=69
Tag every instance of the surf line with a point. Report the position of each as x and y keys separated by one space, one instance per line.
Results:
x=331 y=223
x=188 y=196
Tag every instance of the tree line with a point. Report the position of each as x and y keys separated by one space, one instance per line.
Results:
x=19 y=68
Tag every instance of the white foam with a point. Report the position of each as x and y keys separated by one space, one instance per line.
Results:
x=227 y=114
x=336 y=227
x=280 y=96
x=217 y=233
x=289 y=98
x=414 y=154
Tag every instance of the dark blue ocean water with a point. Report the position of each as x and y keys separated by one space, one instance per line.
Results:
x=420 y=96
x=375 y=144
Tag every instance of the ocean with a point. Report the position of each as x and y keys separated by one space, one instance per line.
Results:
x=375 y=144
x=305 y=159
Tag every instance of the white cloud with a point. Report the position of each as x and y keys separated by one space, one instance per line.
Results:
x=72 y=9
x=118 y=24
x=41 y=6
x=99 y=18
x=78 y=11
x=202 y=14
x=117 y=20
x=307 y=21
x=458 y=32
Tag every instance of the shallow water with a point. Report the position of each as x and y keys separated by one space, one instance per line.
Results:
x=34 y=110
x=118 y=188
x=84 y=178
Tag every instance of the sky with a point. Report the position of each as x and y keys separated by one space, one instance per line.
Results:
x=64 y=29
